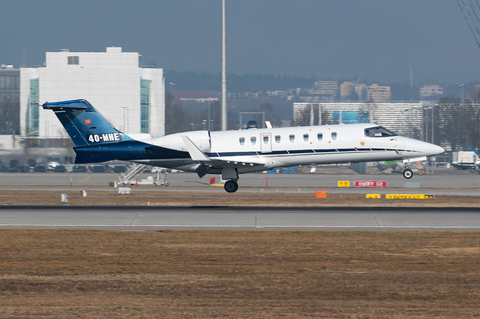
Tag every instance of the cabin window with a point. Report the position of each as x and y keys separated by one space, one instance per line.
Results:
x=277 y=139
x=334 y=136
x=305 y=137
x=292 y=138
x=319 y=137
x=242 y=140
x=265 y=139
x=253 y=139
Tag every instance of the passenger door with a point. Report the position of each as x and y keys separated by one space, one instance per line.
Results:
x=266 y=143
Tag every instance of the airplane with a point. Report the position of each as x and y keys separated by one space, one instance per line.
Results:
x=231 y=153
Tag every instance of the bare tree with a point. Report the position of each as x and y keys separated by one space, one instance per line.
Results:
x=371 y=107
x=457 y=123
x=269 y=115
x=306 y=114
x=176 y=119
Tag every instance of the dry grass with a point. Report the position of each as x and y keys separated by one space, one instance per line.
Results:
x=153 y=197
x=240 y=274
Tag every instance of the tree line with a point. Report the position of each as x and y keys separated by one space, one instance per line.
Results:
x=251 y=82
x=178 y=119
x=457 y=121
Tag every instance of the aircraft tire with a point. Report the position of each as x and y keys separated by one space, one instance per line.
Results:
x=408 y=173
x=230 y=186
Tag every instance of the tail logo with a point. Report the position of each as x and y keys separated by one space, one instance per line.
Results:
x=88 y=121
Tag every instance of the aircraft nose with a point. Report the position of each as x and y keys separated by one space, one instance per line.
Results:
x=435 y=149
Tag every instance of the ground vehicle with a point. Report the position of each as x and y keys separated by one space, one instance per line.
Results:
x=40 y=168
x=465 y=160
x=23 y=168
x=60 y=168
x=98 y=168
x=79 y=169
x=120 y=168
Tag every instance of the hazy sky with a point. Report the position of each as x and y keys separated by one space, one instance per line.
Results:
x=374 y=39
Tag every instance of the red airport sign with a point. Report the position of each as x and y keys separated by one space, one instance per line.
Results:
x=370 y=184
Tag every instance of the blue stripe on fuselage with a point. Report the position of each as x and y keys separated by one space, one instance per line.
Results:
x=127 y=151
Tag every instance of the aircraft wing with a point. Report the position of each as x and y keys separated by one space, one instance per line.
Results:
x=218 y=163
x=200 y=157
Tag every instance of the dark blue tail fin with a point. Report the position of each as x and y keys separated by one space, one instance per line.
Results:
x=83 y=123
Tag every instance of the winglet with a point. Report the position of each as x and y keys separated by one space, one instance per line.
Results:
x=195 y=153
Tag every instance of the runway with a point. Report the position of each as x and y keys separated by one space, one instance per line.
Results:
x=145 y=218
x=444 y=182
x=447 y=182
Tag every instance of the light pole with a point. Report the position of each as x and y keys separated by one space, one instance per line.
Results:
x=224 y=72
x=461 y=86
x=209 y=126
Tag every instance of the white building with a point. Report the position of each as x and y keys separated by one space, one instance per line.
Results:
x=131 y=98
x=430 y=90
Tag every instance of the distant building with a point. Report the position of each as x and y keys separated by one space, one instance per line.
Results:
x=321 y=91
x=347 y=89
x=325 y=88
x=378 y=93
x=361 y=91
x=430 y=90
x=131 y=98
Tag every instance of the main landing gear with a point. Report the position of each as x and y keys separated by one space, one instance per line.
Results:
x=231 y=176
x=408 y=173
x=231 y=186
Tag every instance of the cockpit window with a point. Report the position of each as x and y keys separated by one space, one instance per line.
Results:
x=378 y=131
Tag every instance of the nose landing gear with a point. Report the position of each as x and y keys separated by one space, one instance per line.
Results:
x=408 y=173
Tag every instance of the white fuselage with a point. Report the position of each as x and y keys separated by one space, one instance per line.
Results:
x=260 y=149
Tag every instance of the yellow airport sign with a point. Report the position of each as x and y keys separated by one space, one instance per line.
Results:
x=373 y=196
x=409 y=196
x=343 y=183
